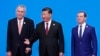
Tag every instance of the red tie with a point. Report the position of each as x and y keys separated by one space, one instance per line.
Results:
x=46 y=29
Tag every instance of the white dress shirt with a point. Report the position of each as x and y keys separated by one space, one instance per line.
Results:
x=22 y=21
x=83 y=28
x=49 y=24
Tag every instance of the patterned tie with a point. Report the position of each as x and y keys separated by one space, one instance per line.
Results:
x=80 y=32
x=19 y=27
x=46 y=29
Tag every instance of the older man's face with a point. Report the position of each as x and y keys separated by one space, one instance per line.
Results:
x=20 y=12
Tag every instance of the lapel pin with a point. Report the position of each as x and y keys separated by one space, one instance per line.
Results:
x=53 y=24
x=24 y=22
x=86 y=26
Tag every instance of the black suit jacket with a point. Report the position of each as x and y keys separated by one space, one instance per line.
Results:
x=51 y=44
x=14 y=40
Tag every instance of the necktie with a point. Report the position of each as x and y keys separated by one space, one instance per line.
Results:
x=19 y=27
x=46 y=29
x=80 y=32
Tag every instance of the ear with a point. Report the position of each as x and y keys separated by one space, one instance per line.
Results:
x=85 y=19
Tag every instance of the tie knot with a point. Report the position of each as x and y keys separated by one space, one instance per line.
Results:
x=80 y=26
x=46 y=23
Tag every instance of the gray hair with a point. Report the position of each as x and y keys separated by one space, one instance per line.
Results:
x=22 y=6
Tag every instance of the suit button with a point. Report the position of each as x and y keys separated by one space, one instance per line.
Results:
x=80 y=42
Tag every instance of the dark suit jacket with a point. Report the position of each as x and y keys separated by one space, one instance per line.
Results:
x=14 y=40
x=87 y=45
x=51 y=44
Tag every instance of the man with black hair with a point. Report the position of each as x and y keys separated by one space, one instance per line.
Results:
x=50 y=35
x=84 y=40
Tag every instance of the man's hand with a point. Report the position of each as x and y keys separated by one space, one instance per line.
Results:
x=61 y=54
x=27 y=42
x=9 y=53
x=27 y=50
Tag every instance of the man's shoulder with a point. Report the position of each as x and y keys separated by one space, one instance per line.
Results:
x=90 y=26
x=27 y=19
x=12 y=19
x=40 y=23
x=56 y=23
x=75 y=27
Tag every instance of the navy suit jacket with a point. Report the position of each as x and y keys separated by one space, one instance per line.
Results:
x=85 y=46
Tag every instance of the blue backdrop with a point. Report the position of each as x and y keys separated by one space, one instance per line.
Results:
x=64 y=11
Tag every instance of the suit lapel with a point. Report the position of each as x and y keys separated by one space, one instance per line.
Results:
x=76 y=32
x=16 y=26
x=43 y=28
x=51 y=27
x=23 y=26
x=85 y=31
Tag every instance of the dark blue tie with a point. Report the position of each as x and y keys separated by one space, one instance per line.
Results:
x=80 y=32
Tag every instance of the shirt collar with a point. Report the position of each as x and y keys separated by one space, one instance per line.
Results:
x=20 y=20
x=84 y=24
x=49 y=22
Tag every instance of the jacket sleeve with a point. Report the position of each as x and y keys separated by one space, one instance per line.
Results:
x=94 y=41
x=31 y=31
x=9 y=37
x=61 y=39
x=72 y=44
x=34 y=36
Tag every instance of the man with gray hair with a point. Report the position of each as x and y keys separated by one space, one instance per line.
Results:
x=19 y=28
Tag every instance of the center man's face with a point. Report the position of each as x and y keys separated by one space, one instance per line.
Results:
x=46 y=16
x=20 y=12
x=80 y=18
